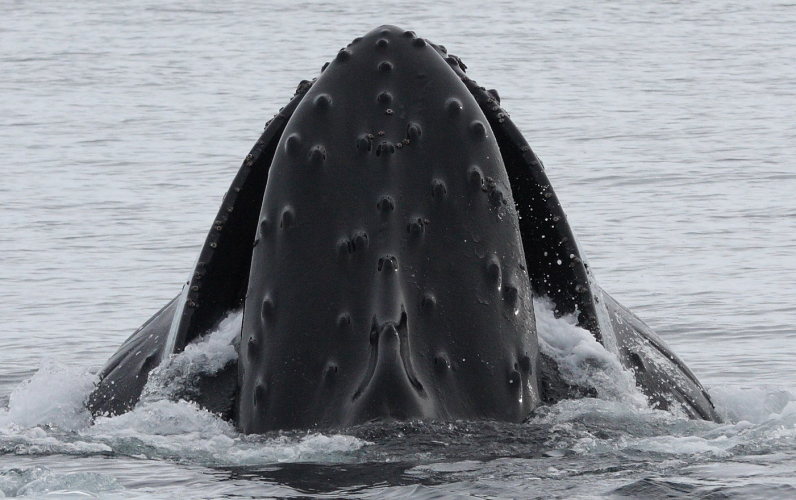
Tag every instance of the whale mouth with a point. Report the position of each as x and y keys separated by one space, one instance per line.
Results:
x=390 y=360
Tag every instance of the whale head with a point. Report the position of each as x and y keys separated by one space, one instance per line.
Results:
x=388 y=277
x=384 y=237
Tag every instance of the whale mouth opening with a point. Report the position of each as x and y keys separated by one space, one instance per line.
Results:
x=390 y=357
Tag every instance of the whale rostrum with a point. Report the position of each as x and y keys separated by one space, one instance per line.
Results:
x=386 y=237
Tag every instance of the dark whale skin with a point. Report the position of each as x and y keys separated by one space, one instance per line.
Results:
x=559 y=271
x=404 y=329
x=388 y=278
x=124 y=375
x=216 y=286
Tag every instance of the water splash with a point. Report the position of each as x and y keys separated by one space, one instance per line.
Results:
x=55 y=396
x=581 y=359
x=47 y=415
x=180 y=373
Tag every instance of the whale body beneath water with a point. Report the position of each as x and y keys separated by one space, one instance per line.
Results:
x=385 y=238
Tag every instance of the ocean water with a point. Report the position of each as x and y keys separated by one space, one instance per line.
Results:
x=666 y=129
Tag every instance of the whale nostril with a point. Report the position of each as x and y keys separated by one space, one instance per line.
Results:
x=637 y=362
x=511 y=297
x=344 y=247
x=497 y=197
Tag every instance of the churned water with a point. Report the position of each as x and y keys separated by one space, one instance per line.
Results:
x=666 y=129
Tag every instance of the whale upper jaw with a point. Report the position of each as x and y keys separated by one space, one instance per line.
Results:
x=388 y=279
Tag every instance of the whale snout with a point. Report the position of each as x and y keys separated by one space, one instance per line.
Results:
x=369 y=295
x=390 y=387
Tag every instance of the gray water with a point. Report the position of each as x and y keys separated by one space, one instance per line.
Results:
x=666 y=129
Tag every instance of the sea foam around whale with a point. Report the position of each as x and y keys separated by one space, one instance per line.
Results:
x=46 y=416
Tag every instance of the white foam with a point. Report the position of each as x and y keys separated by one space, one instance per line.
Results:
x=55 y=396
x=210 y=354
x=593 y=426
x=162 y=425
x=581 y=359
x=41 y=481
x=47 y=414
x=184 y=431
x=751 y=404
x=776 y=432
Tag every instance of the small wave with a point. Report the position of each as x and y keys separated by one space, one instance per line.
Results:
x=47 y=415
x=183 y=431
x=55 y=396
x=41 y=481
x=751 y=404
x=581 y=359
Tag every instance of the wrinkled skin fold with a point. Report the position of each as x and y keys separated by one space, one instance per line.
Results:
x=386 y=236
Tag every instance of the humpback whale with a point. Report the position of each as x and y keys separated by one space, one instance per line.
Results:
x=385 y=238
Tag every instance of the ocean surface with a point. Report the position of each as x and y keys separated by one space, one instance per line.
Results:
x=666 y=128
